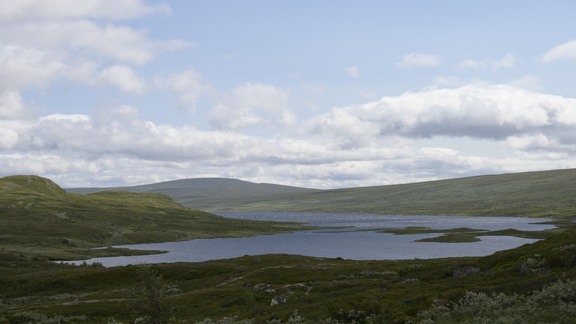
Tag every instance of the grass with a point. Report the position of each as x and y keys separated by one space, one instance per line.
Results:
x=41 y=221
x=530 y=194
x=318 y=288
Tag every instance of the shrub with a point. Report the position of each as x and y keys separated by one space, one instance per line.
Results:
x=150 y=305
x=555 y=303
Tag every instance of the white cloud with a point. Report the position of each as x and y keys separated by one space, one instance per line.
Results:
x=489 y=112
x=418 y=60
x=253 y=104
x=12 y=106
x=368 y=144
x=22 y=67
x=189 y=86
x=353 y=71
x=88 y=38
x=122 y=77
x=71 y=9
x=566 y=51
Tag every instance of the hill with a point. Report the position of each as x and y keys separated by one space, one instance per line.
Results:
x=186 y=191
x=535 y=194
x=41 y=220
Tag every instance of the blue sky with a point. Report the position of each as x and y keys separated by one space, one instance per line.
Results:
x=323 y=94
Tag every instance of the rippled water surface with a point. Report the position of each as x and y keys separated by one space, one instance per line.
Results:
x=365 y=245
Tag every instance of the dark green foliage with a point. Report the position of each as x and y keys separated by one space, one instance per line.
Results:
x=151 y=305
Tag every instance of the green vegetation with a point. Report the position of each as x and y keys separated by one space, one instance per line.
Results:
x=529 y=194
x=185 y=191
x=241 y=289
x=40 y=221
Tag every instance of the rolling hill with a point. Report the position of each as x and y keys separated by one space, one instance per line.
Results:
x=186 y=191
x=40 y=219
x=535 y=194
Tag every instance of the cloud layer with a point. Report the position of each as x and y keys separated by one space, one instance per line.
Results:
x=354 y=145
x=260 y=121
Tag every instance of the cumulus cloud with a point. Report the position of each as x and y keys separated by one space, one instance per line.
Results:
x=44 y=42
x=122 y=77
x=69 y=9
x=12 y=106
x=418 y=60
x=89 y=38
x=566 y=51
x=189 y=86
x=23 y=67
x=488 y=112
x=253 y=104
x=367 y=144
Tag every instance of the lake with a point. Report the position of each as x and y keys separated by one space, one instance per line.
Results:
x=345 y=243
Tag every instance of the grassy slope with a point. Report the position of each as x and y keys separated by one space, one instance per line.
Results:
x=186 y=190
x=534 y=194
x=39 y=219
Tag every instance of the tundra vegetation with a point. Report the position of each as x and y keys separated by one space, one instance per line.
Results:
x=41 y=223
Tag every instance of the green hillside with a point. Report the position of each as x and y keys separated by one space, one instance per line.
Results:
x=533 y=194
x=185 y=191
x=38 y=219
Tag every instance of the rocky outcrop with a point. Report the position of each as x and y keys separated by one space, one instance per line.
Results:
x=525 y=268
x=280 y=299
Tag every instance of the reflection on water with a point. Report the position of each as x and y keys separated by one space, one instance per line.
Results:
x=367 y=245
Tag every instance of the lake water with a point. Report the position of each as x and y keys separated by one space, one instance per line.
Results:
x=344 y=243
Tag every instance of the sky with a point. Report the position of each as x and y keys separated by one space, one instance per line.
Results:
x=320 y=94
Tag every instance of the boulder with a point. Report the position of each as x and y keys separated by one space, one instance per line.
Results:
x=261 y=286
x=280 y=299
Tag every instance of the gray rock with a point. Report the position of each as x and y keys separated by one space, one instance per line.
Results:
x=261 y=286
x=525 y=268
x=410 y=281
x=280 y=299
x=490 y=272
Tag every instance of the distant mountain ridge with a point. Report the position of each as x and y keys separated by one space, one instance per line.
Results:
x=549 y=193
x=185 y=190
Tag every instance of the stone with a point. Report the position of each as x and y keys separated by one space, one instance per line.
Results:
x=410 y=281
x=490 y=272
x=261 y=286
x=525 y=268
x=280 y=299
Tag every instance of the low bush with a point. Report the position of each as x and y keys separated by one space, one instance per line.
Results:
x=555 y=303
